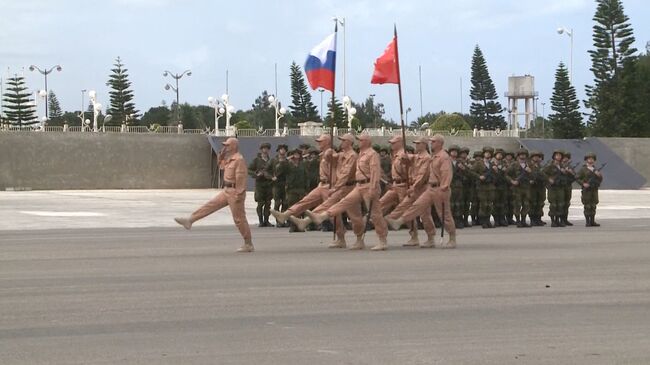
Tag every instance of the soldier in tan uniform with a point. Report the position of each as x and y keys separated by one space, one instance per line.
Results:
x=233 y=194
x=344 y=181
x=366 y=191
x=420 y=166
x=400 y=182
x=438 y=194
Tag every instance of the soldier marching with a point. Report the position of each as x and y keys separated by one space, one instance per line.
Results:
x=395 y=189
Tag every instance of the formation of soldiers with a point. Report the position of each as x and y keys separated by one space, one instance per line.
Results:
x=423 y=186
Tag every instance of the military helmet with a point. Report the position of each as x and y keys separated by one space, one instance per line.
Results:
x=488 y=149
x=557 y=150
x=453 y=147
x=537 y=153
x=509 y=153
x=567 y=154
x=304 y=146
x=376 y=147
x=522 y=151
x=464 y=150
x=478 y=154
x=590 y=155
x=385 y=149
x=265 y=145
x=280 y=146
x=499 y=150
x=293 y=152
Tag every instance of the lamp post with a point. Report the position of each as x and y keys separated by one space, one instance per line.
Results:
x=219 y=112
x=279 y=113
x=97 y=109
x=568 y=32
x=82 y=113
x=321 y=103
x=407 y=115
x=350 y=111
x=176 y=77
x=45 y=72
x=543 y=119
x=43 y=95
x=228 y=110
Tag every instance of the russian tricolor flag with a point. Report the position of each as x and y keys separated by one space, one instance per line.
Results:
x=320 y=66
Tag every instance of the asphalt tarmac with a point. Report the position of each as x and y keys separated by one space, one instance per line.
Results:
x=163 y=295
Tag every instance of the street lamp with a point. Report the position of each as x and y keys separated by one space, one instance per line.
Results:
x=568 y=32
x=350 y=111
x=176 y=77
x=279 y=113
x=43 y=95
x=228 y=109
x=219 y=112
x=97 y=109
x=46 y=72
x=407 y=115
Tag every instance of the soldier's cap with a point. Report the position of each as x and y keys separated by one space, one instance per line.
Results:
x=265 y=145
x=385 y=149
x=478 y=154
x=322 y=137
x=280 y=146
x=499 y=150
x=567 y=154
x=534 y=153
x=488 y=149
x=363 y=137
x=522 y=151
x=453 y=147
x=590 y=155
x=229 y=141
x=509 y=153
x=464 y=150
x=557 y=150
x=395 y=139
x=421 y=140
x=347 y=137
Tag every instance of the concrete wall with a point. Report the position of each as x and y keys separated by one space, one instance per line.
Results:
x=52 y=161
x=634 y=151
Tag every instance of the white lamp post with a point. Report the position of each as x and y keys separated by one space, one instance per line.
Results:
x=568 y=32
x=279 y=113
x=350 y=111
x=97 y=109
x=219 y=111
x=228 y=109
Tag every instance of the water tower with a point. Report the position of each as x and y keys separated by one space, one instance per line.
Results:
x=521 y=88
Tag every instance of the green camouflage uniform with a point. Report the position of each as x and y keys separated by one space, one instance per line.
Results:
x=520 y=185
x=277 y=169
x=456 y=199
x=478 y=157
x=500 y=190
x=258 y=169
x=555 y=185
x=485 y=188
x=468 y=186
x=570 y=178
x=312 y=166
x=509 y=208
x=537 y=190
x=589 y=197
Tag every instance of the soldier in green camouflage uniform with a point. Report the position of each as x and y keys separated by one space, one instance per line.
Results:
x=277 y=169
x=312 y=165
x=509 y=161
x=519 y=177
x=485 y=171
x=296 y=181
x=590 y=178
x=477 y=157
x=555 y=185
x=456 y=199
x=468 y=186
x=258 y=169
x=500 y=189
x=570 y=178
x=537 y=189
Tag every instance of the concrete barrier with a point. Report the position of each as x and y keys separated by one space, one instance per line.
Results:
x=634 y=151
x=57 y=161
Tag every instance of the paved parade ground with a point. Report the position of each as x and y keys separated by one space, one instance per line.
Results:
x=104 y=277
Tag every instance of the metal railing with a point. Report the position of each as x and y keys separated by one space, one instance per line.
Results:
x=308 y=131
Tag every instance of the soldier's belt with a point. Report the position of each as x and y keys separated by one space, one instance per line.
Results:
x=325 y=181
x=398 y=181
x=228 y=184
x=350 y=183
x=365 y=181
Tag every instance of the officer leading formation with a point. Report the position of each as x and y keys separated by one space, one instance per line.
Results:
x=423 y=186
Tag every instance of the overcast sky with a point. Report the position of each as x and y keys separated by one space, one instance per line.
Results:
x=248 y=37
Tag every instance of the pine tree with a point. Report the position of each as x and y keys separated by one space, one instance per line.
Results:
x=613 y=38
x=339 y=115
x=54 y=109
x=566 y=119
x=485 y=109
x=19 y=107
x=121 y=95
x=302 y=108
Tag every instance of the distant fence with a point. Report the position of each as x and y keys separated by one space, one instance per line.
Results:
x=308 y=131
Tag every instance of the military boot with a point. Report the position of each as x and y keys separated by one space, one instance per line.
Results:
x=452 y=241
x=301 y=224
x=593 y=221
x=430 y=243
x=466 y=222
x=359 y=244
x=247 y=247
x=485 y=222
x=185 y=222
x=339 y=243
x=413 y=241
x=317 y=218
x=280 y=217
x=553 y=221
x=511 y=221
x=381 y=246
x=458 y=221
x=566 y=220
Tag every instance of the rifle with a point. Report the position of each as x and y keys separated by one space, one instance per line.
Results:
x=524 y=175
x=593 y=179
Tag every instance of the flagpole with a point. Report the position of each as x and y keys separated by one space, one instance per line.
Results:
x=332 y=121
x=399 y=90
